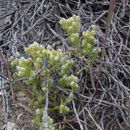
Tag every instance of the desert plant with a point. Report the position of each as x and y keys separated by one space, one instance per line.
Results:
x=46 y=72
x=46 y=69
x=85 y=44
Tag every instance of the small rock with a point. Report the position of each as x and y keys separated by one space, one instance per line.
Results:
x=11 y=126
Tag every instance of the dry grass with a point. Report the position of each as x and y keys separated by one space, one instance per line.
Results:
x=102 y=101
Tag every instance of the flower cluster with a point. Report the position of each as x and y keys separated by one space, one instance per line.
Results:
x=41 y=115
x=72 y=27
x=69 y=81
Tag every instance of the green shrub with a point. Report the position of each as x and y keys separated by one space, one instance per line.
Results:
x=46 y=71
x=46 y=67
x=86 y=43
